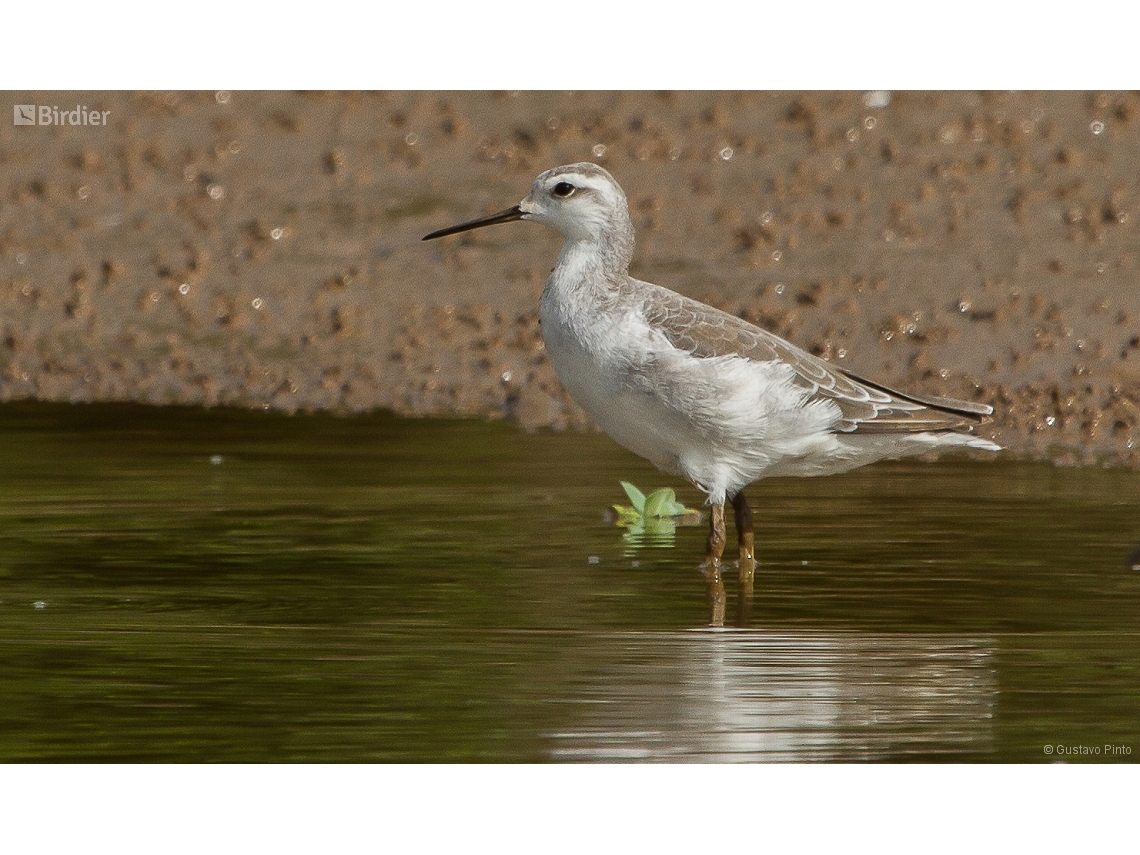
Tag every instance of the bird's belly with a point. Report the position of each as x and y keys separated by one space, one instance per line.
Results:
x=632 y=418
x=639 y=423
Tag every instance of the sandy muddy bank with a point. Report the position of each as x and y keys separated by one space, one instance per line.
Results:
x=262 y=249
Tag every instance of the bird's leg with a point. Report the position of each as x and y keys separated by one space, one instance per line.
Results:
x=712 y=565
x=745 y=540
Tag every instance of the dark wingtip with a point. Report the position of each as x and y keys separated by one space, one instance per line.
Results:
x=979 y=413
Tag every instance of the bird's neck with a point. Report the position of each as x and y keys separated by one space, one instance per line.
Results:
x=583 y=274
x=595 y=264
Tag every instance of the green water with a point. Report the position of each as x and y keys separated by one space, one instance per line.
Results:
x=186 y=585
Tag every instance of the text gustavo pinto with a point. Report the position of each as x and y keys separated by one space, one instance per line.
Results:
x=1059 y=749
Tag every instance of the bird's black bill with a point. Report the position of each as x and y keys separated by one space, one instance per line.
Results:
x=510 y=215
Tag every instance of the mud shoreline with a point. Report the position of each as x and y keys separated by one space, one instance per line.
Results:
x=262 y=249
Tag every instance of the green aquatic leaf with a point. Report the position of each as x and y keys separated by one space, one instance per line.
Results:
x=635 y=496
x=660 y=503
x=663 y=503
x=626 y=515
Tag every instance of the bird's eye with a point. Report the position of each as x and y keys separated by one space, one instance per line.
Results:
x=563 y=189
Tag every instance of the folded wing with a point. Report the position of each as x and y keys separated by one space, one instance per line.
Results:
x=866 y=407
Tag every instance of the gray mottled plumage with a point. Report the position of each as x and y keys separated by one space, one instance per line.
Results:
x=866 y=407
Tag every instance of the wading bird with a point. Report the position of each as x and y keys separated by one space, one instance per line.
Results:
x=699 y=392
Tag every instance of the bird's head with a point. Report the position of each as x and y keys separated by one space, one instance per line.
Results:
x=581 y=200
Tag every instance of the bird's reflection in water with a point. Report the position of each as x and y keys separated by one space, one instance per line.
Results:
x=747 y=696
x=660 y=533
